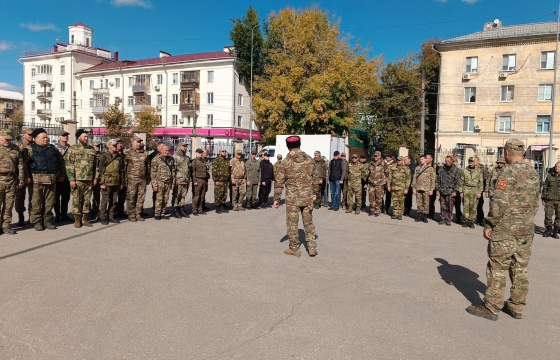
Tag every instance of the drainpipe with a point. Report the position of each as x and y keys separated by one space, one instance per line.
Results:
x=436 y=152
x=166 y=94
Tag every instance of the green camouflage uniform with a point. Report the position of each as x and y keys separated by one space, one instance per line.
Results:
x=297 y=174
x=551 y=196
x=220 y=174
x=321 y=170
x=356 y=173
x=253 y=170
x=492 y=178
x=162 y=172
x=20 y=192
x=200 y=177
x=137 y=177
x=514 y=205
x=471 y=185
x=399 y=181
x=344 y=189
x=238 y=176
x=183 y=179
x=376 y=179
x=424 y=182
x=111 y=174
x=12 y=174
x=81 y=167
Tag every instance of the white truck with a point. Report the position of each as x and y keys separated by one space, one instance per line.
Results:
x=326 y=144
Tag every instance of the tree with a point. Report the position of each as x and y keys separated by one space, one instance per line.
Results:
x=116 y=122
x=312 y=78
x=240 y=34
x=147 y=120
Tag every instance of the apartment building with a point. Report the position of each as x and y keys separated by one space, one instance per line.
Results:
x=10 y=101
x=495 y=85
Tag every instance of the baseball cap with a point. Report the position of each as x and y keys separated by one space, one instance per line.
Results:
x=7 y=134
x=343 y=155
x=137 y=138
x=279 y=156
x=96 y=143
x=182 y=143
x=514 y=144
x=355 y=156
x=471 y=159
x=114 y=141
x=63 y=133
x=27 y=131
x=501 y=160
x=400 y=158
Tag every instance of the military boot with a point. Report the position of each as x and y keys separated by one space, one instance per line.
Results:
x=8 y=231
x=218 y=209
x=312 y=251
x=548 y=231
x=294 y=252
x=21 y=219
x=85 y=220
x=419 y=218
x=77 y=221
x=514 y=314
x=425 y=218
x=50 y=225
x=177 y=213
x=482 y=311
x=555 y=233
x=39 y=226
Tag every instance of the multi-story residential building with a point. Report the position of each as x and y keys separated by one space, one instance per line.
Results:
x=10 y=101
x=498 y=84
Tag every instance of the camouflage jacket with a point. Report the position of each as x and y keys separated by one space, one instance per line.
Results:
x=199 y=169
x=183 y=165
x=22 y=144
x=424 y=178
x=12 y=169
x=471 y=180
x=162 y=170
x=275 y=168
x=551 y=186
x=297 y=174
x=514 y=203
x=377 y=173
x=492 y=178
x=237 y=169
x=399 y=178
x=356 y=173
x=81 y=163
x=320 y=168
x=448 y=180
x=252 y=168
x=111 y=169
x=44 y=177
x=220 y=169
x=136 y=166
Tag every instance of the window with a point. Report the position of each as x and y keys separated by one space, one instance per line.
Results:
x=33 y=89
x=106 y=84
x=508 y=62
x=210 y=98
x=91 y=85
x=175 y=99
x=240 y=80
x=470 y=94
x=211 y=76
x=175 y=78
x=44 y=69
x=62 y=104
x=507 y=93
x=33 y=72
x=91 y=103
x=33 y=105
x=90 y=122
x=62 y=69
x=543 y=123
x=174 y=120
x=160 y=79
x=117 y=82
x=468 y=123
x=239 y=121
x=130 y=100
x=72 y=39
x=547 y=60
x=188 y=120
x=130 y=81
x=62 y=87
x=32 y=122
x=240 y=100
x=159 y=100
x=504 y=124
x=472 y=64
x=545 y=92
x=210 y=120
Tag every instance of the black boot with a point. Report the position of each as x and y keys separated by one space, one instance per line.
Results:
x=548 y=231
x=555 y=233
x=419 y=218
x=177 y=213
x=218 y=209
x=425 y=218
x=21 y=219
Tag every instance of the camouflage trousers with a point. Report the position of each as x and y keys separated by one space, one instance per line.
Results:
x=552 y=208
x=252 y=194
x=319 y=194
x=355 y=192
x=376 y=198
x=469 y=204
x=20 y=198
x=447 y=203
x=7 y=196
x=238 y=193
x=292 y=222
x=397 y=197
x=162 y=198
x=135 y=196
x=199 y=193
x=42 y=203
x=109 y=198
x=422 y=201
x=344 y=193
x=81 y=196
x=179 y=197
x=220 y=193
x=511 y=255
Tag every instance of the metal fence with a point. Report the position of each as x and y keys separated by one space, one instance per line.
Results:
x=17 y=127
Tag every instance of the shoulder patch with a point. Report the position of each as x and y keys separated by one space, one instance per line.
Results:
x=501 y=184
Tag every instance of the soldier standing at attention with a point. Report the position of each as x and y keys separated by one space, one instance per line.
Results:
x=423 y=185
x=551 y=201
x=432 y=202
x=408 y=197
x=238 y=180
x=200 y=178
x=26 y=139
x=398 y=184
x=510 y=230
x=121 y=197
x=344 y=185
x=162 y=172
x=95 y=190
x=267 y=177
x=183 y=179
x=363 y=161
x=377 y=179
x=391 y=164
x=321 y=170
x=356 y=172
x=252 y=167
x=471 y=190
x=136 y=178
x=155 y=150
x=458 y=199
x=337 y=171
x=220 y=176
x=447 y=185
x=46 y=167
x=276 y=165
x=81 y=168
x=297 y=174
x=111 y=174
x=62 y=197
x=493 y=177
x=12 y=177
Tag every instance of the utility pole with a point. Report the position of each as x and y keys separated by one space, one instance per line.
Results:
x=551 y=138
x=423 y=114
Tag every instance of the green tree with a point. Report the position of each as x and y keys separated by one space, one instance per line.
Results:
x=147 y=120
x=116 y=121
x=240 y=34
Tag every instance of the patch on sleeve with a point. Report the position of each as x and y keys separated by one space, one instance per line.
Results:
x=501 y=184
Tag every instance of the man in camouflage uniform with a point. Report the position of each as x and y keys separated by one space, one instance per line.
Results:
x=423 y=185
x=321 y=170
x=63 y=189
x=121 y=197
x=200 y=180
x=12 y=177
x=391 y=164
x=363 y=161
x=46 y=167
x=510 y=230
x=551 y=201
x=493 y=177
x=376 y=179
x=136 y=178
x=447 y=185
x=277 y=165
x=252 y=168
x=297 y=174
x=397 y=185
x=220 y=176
x=432 y=200
x=182 y=182
x=344 y=185
x=26 y=139
x=81 y=168
x=238 y=181
x=162 y=171
x=458 y=199
x=110 y=178
x=95 y=190
x=471 y=189
x=356 y=173
x=408 y=198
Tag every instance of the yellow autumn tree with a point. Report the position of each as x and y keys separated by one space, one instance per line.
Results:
x=147 y=120
x=312 y=77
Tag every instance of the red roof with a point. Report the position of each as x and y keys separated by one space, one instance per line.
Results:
x=81 y=24
x=213 y=55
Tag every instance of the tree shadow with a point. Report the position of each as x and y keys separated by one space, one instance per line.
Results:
x=464 y=280
x=301 y=236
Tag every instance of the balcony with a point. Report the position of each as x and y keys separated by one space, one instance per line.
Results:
x=99 y=110
x=139 y=107
x=190 y=80
x=101 y=91
x=42 y=113
x=189 y=108
x=44 y=78
x=141 y=84
x=44 y=95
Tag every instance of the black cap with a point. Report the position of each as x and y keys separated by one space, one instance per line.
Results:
x=80 y=132
x=38 y=131
x=336 y=153
x=199 y=151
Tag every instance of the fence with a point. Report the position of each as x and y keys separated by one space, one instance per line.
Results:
x=17 y=127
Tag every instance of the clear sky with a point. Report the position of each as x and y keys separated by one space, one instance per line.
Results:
x=140 y=28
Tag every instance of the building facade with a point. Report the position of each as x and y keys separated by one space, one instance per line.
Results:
x=10 y=102
x=495 y=85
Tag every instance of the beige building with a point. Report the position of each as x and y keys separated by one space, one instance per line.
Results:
x=494 y=85
x=10 y=101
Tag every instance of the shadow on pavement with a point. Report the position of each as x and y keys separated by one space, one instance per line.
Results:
x=464 y=280
x=301 y=235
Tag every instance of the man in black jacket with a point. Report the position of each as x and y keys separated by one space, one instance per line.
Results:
x=267 y=177
x=337 y=172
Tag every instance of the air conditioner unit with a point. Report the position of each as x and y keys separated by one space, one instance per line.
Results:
x=158 y=107
x=157 y=87
x=111 y=84
x=467 y=76
x=503 y=75
x=181 y=120
x=477 y=127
